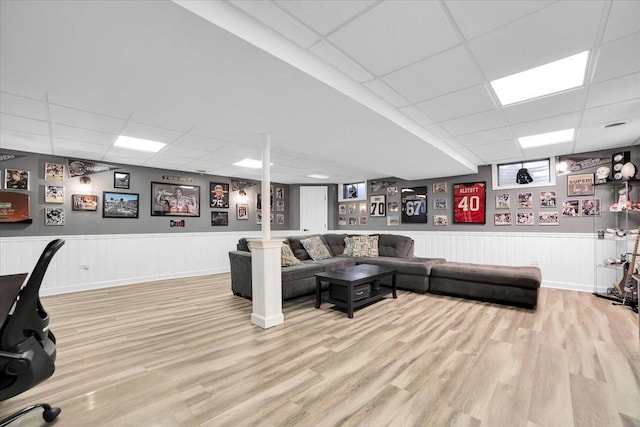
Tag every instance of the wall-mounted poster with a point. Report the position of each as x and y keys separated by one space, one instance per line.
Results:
x=120 y=205
x=378 y=205
x=219 y=195
x=469 y=203
x=503 y=201
x=548 y=199
x=53 y=194
x=590 y=207
x=219 y=218
x=53 y=216
x=580 y=185
x=414 y=205
x=174 y=199
x=53 y=171
x=571 y=207
x=525 y=200
x=84 y=202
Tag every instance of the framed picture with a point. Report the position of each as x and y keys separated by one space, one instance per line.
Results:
x=259 y=201
x=590 y=207
x=53 y=216
x=525 y=200
x=363 y=220
x=469 y=203
x=392 y=207
x=502 y=218
x=353 y=220
x=174 y=199
x=342 y=220
x=580 y=185
x=524 y=218
x=378 y=205
x=258 y=217
x=219 y=195
x=392 y=191
x=279 y=193
x=353 y=208
x=342 y=209
x=53 y=172
x=503 y=201
x=548 y=199
x=280 y=219
x=548 y=218
x=440 y=220
x=571 y=207
x=393 y=220
x=242 y=211
x=53 y=194
x=220 y=218
x=414 y=205
x=16 y=179
x=352 y=191
x=84 y=202
x=439 y=203
x=280 y=205
x=362 y=208
x=14 y=206
x=120 y=205
x=439 y=187
x=121 y=180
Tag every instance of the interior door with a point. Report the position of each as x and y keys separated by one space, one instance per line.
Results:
x=314 y=210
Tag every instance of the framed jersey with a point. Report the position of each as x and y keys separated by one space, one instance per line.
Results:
x=414 y=205
x=469 y=203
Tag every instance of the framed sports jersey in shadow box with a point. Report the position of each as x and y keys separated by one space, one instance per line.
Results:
x=469 y=203
x=413 y=205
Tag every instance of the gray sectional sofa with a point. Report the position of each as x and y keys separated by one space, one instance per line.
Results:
x=503 y=284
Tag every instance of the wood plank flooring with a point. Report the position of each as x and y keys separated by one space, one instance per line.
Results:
x=184 y=353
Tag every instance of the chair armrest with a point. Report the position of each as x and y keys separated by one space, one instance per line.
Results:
x=241 y=279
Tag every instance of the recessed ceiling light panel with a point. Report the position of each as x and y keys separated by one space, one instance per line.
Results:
x=249 y=163
x=546 y=138
x=138 y=144
x=318 y=176
x=546 y=79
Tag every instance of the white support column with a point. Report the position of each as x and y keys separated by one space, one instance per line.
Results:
x=265 y=253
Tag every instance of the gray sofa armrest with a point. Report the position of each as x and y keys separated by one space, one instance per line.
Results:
x=241 y=282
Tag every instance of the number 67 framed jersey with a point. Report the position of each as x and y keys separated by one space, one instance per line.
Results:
x=414 y=205
x=469 y=203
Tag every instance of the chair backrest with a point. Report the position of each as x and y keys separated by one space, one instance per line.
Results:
x=27 y=346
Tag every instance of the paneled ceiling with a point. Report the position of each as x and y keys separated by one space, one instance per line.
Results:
x=350 y=89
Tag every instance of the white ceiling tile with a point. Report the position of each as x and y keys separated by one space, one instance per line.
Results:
x=596 y=138
x=549 y=150
x=496 y=151
x=153 y=133
x=66 y=145
x=616 y=90
x=129 y=157
x=475 y=123
x=394 y=34
x=183 y=153
x=600 y=116
x=386 y=93
x=624 y=19
x=241 y=151
x=417 y=115
x=278 y=20
x=468 y=154
x=84 y=119
x=85 y=135
x=478 y=17
x=77 y=153
x=551 y=124
x=618 y=58
x=554 y=105
x=165 y=161
x=16 y=140
x=343 y=63
x=555 y=32
x=443 y=73
x=23 y=124
x=457 y=104
x=198 y=142
x=486 y=136
x=324 y=16
x=21 y=106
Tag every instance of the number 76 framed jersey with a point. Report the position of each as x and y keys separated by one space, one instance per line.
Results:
x=469 y=203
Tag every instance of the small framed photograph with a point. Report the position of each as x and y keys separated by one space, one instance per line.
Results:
x=363 y=220
x=440 y=203
x=342 y=209
x=84 y=202
x=280 y=205
x=53 y=172
x=525 y=201
x=392 y=206
x=571 y=207
x=590 y=207
x=121 y=180
x=279 y=219
x=120 y=205
x=439 y=187
x=258 y=216
x=362 y=208
x=53 y=194
x=342 y=220
x=393 y=220
x=353 y=220
x=502 y=218
x=503 y=201
x=16 y=179
x=548 y=218
x=219 y=218
x=279 y=193
x=242 y=211
x=218 y=195
x=524 y=218
x=548 y=199
x=53 y=216
x=353 y=208
x=440 y=220
x=392 y=191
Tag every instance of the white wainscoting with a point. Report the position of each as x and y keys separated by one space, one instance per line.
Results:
x=566 y=259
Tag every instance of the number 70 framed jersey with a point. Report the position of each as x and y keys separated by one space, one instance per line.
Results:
x=469 y=203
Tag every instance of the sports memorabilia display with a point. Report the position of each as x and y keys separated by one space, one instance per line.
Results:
x=469 y=203
x=414 y=205
x=378 y=205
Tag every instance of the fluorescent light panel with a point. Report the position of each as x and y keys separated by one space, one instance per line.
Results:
x=318 y=176
x=550 y=78
x=138 y=144
x=546 y=138
x=250 y=163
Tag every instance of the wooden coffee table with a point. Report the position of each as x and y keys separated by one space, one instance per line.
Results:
x=352 y=279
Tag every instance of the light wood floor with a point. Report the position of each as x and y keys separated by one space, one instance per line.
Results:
x=184 y=353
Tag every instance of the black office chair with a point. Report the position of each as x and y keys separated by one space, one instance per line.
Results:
x=27 y=346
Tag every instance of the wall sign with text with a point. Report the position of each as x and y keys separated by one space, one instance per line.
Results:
x=414 y=205
x=469 y=203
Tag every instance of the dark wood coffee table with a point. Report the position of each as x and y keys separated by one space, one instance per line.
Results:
x=353 y=277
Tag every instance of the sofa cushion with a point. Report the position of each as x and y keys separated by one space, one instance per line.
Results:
x=413 y=266
x=335 y=242
x=297 y=248
x=243 y=245
x=316 y=248
x=395 y=245
x=336 y=263
x=287 y=257
x=302 y=271
x=365 y=246
x=502 y=275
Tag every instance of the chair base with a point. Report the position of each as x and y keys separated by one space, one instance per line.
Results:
x=50 y=413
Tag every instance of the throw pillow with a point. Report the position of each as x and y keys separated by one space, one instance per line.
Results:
x=316 y=248
x=365 y=246
x=349 y=244
x=287 y=257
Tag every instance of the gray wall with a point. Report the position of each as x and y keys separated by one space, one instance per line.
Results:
x=85 y=222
